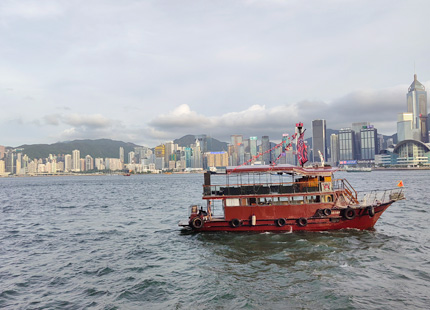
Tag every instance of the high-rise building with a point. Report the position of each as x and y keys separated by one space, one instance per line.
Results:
x=89 y=163
x=346 y=144
x=265 y=146
x=334 y=148
x=131 y=158
x=67 y=163
x=356 y=127
x=417 y=105
x=76 y=161
x=253 y=146
x=217 y=159
x=2 y=151
x=369 y=142
x=121 y=154
x=319 y=142
x=413 y=124
x=236 y=141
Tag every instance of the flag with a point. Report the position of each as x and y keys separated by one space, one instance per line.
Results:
x=302 y=153
x=400 y=184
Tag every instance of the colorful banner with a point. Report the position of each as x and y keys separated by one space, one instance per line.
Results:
x=302 y=152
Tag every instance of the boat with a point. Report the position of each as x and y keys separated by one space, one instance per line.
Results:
x=358 y=169
x=285 y=198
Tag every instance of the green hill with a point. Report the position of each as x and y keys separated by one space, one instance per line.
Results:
x=213 y=145
x=95 y=148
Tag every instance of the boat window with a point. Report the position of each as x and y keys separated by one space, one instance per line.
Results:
x=297 y=200
x=313 y=199
x=232 y=202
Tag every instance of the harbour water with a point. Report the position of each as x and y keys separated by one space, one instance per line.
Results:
x=112 y=242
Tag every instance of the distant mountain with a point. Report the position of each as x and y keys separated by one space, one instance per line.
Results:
x=95 y=148
x=214 y=145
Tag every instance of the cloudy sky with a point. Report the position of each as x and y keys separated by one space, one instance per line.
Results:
x=152 y=71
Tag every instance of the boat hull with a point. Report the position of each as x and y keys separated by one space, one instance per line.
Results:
x=337 y=220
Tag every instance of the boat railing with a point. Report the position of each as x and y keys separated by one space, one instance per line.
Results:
x=376 y=197
x=256 y=189
x=344 y=186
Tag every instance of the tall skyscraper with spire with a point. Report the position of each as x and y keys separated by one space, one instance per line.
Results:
x=413 y=124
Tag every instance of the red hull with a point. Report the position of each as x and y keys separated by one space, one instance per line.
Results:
x=361 y=221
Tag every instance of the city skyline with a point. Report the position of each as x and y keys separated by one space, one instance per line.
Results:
x=167 y=69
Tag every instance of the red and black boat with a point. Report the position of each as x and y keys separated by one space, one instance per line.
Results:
x=286 y=198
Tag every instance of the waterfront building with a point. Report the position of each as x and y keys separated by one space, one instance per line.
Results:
x=346 y=144
x=417 y=105
x=413 y=124
x=203 y=140
x=76 y=160
x=197 y=159
x=356 y=127
x=131 y=157
x=2 y=151
x=368 y=142
x=67 y=163
x=265 y=146
x=89 y=163
x=98 y=163
x=236 y=141
x=407 y=153
x=121 y=154
x=253 y=145
x=2 y=167
x=404 y=126
x=60 y=166
x=188 y=153
x=10 y=162
x=82 y=163
x=319 y=142
x=159 y=151
x=334 y=149
x=217 y=159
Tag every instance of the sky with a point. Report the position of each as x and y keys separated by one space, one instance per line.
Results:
x=148 y=72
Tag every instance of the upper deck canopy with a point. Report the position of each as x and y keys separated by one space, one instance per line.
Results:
x=284 y=168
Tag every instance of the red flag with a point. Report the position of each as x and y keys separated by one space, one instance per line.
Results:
x=302 y=152
x=400 y=184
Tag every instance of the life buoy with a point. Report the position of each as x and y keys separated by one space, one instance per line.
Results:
x=235 y=223
x=197 y=223
x=302 y=222
x=349 y=213
x=371 y=211
x=280 y=222
x=327 y=212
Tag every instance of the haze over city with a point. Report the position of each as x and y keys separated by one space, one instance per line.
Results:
x=151 y=71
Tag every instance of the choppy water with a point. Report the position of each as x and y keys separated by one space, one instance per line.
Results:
x=112 y=242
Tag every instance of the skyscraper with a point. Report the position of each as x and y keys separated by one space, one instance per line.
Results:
x=265 y=146
x=253 y=146
x=334 y=148
x=417 y=105
x=76 y=160
x=356 y=127
x=121 y=154
x=319 y=139
x=369 y=142
x=67 y=163
x=346 y=144
x=236 y=141
x=413 y=124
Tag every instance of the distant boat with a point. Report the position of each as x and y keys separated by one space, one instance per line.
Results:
x=358 y=169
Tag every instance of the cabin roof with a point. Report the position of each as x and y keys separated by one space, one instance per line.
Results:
x=284 y=168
